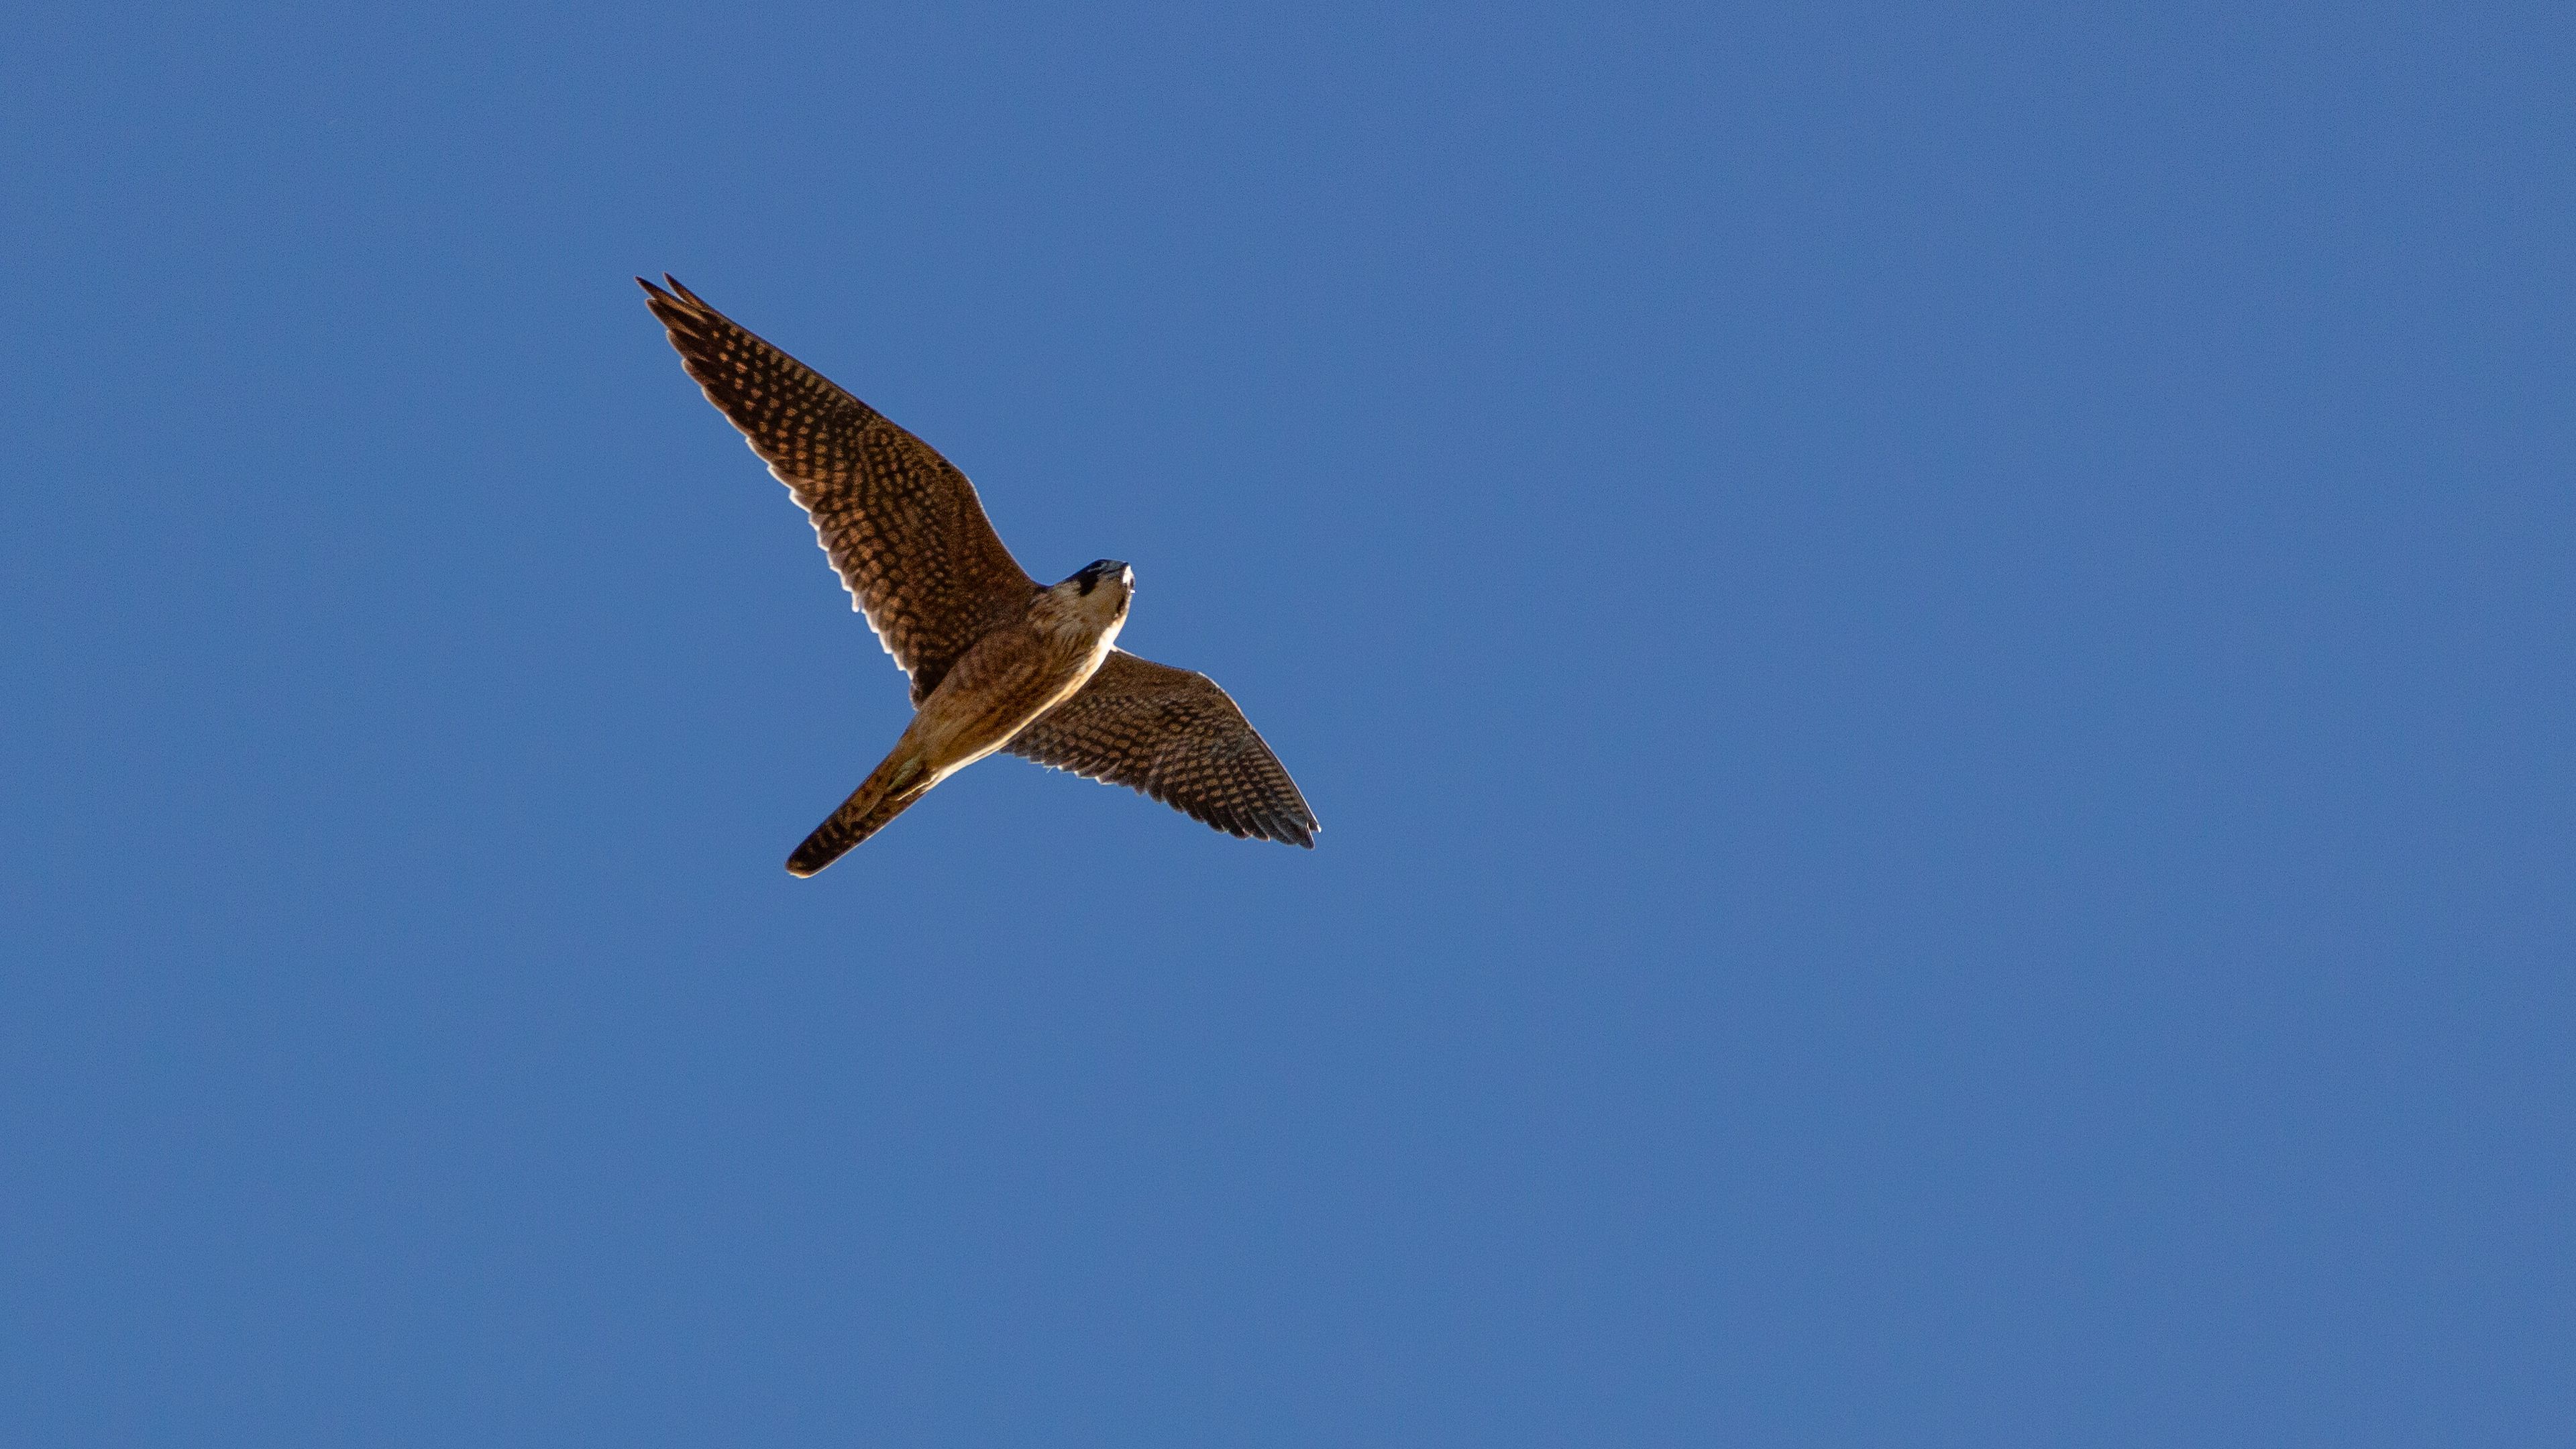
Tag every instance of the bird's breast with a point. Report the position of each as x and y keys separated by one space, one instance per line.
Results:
x=1011 y=676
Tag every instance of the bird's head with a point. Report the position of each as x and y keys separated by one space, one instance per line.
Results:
x=1099 y=591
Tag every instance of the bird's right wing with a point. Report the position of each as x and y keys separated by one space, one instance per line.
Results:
x=903 y=527
x=1174 y=735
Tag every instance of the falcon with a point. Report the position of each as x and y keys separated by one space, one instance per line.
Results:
x=997 y=660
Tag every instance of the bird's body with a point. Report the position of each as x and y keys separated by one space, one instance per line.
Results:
x=1005 y=680
x=997 y=662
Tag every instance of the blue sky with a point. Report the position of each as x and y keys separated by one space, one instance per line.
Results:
x=1934 y=644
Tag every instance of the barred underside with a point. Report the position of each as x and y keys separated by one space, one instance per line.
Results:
x=902 y=526
x=1174 y=735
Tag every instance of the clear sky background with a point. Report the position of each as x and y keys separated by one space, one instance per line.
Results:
x=1937 y=646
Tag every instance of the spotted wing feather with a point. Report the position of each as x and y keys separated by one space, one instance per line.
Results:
x=903 y=527
x=1177 y=737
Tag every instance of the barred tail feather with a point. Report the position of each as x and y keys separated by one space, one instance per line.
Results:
x=890 y=790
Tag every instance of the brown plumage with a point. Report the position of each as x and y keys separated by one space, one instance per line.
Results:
x=1175 y=736
x=997 y=661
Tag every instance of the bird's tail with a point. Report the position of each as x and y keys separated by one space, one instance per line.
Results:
x=890 y=790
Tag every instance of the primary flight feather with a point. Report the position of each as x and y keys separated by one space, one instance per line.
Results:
x=998 y=661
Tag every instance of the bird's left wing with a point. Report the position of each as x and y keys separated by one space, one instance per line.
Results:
x=1174 y=735
x=903 y=527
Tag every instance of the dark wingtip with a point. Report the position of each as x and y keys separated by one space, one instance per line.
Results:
x=1298 y=829
x=672 y=294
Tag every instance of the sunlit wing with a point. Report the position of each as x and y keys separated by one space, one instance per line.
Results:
x=903 y=527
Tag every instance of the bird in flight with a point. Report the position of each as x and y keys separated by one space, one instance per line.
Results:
x=998 y=661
